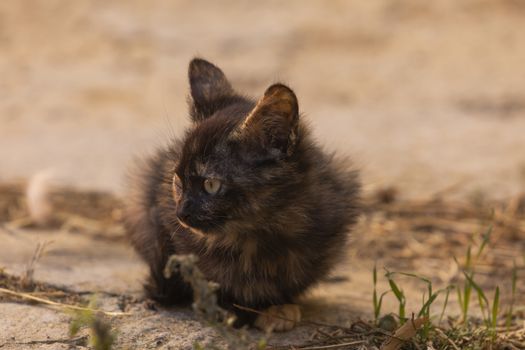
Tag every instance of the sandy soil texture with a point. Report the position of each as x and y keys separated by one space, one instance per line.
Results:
x=428 y=97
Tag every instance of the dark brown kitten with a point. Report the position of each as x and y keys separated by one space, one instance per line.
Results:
x=249 y=192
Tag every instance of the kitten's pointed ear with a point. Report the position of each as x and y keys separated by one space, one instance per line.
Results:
x=209 y=88
x=274 y=120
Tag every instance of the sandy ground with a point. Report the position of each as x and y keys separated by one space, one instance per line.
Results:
x=422 y=95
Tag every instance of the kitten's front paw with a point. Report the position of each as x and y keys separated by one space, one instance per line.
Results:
x=279 y=318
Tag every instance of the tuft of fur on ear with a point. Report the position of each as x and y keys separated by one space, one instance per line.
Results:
x=210 y=89
x=274 y=120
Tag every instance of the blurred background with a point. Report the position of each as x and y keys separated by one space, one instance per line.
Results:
x=423 y=95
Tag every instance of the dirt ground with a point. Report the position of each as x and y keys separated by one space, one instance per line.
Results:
x=427 y=97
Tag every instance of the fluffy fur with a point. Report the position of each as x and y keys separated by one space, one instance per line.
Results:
x=281 y=217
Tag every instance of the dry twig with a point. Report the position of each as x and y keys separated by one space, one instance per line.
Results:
x=58 y=305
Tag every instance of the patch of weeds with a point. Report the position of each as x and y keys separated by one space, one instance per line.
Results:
x=377 y=301
x=469 y=332
x=102 y=336
x=465 y=292
x=428 y=298
x=489 y=314
x=400 y=296
x=206 y=307
x=489 y=310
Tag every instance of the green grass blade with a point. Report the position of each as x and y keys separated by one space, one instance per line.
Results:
x=374 y=295
x=483 y=301
x=380 y=303
x=485 y=240
x=468 y=262
x=413 y=275
x=460 y=299
x=400 y=296
x=466 y=298
x=495 y=308
x=425 y=309
x=396 y=290
x=486 y=317
x=476 y=287
x=445 y=304
x=375 y=304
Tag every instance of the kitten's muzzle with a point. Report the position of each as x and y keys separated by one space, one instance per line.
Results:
x=184 y=216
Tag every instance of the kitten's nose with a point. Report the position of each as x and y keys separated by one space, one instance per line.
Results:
x=183 y=212
x=184 y=217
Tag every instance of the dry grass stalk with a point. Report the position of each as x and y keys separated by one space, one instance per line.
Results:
x=444 y=336
x=27 y=280
x=77 y=341
x=57 y=305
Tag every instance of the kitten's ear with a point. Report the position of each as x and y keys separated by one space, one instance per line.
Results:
x=274 y=120
x=209 y=88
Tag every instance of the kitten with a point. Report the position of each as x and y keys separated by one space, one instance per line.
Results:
x=250 y=193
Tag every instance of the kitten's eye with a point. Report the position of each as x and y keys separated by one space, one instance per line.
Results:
x=212 y=186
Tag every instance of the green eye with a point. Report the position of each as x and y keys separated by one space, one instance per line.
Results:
x=212 y=186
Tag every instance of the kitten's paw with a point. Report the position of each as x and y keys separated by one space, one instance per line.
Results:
x=279 y=318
